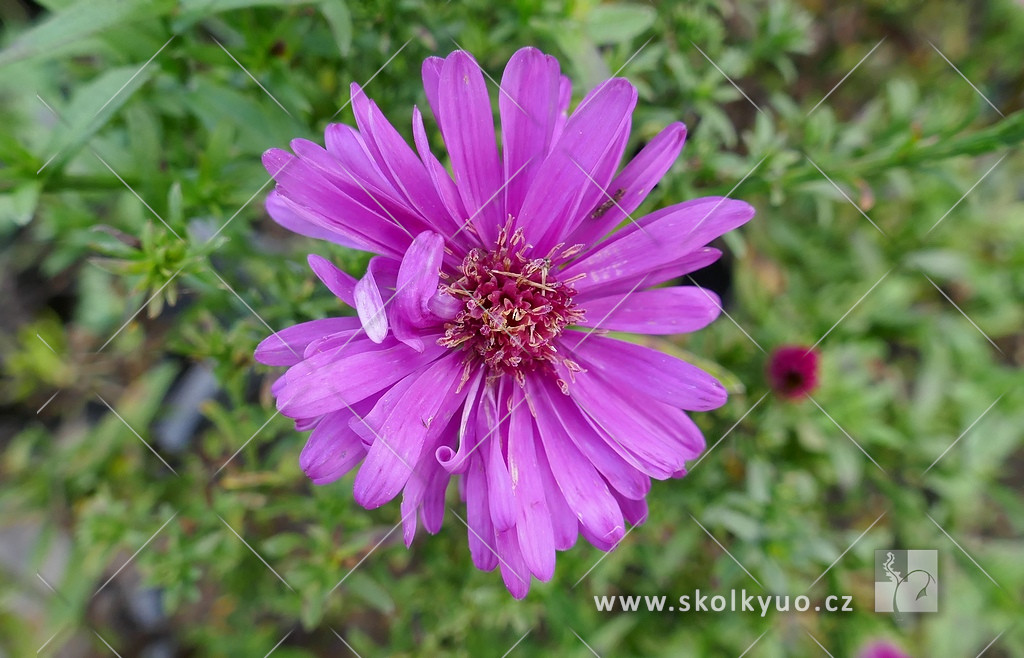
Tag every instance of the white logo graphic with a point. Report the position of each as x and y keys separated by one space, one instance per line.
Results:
x=906 y=581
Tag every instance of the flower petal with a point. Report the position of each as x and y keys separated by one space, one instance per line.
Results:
x=565 y=527
x=634 y=183
x=467 y=124
x=499 y=487
x=638 y=278
x=332 y=449
x=427 y=484
x=480 y=528
x=416 y=284
x=285 y=347
x=400 y=423
x=584 y=489
x=622 y=474
x=351 y=342
x=456 y=461
x=432 y=508
x=491 y=429
x=306 y=424
x=349 y=148
x=342 y=284
x=281 y=212
x=658 y=240
x=565 y=176
x=330 y=381
x=676 y=310
x=309 y=195
x=431 y=72
x=376 y=194
x=533 y=520
x=402 y=167
x=528 y=104
x=564 y=99
x=647 y=371
x=443 y=183
x=369 y=296
x=635 y=511
x=637 y=427
x=514 y=572
x=600 y=194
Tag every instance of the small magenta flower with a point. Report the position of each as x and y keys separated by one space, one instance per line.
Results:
x=882 y=650
x=480 y=349
x=793 y=371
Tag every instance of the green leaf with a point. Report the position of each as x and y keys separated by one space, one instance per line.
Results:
x=91 y=108
x=367 y=589
x=19 y=206
x=216 y=6
x=340 y=19
x=260 y=125
x=175 y=205
x=615 y=23
x=66 y=29
x=144 y=131
x=194 y=11
x=590 y=68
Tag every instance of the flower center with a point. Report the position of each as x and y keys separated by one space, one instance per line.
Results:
x=793 y=380
x=514 y=307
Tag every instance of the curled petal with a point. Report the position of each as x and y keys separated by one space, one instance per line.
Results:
x=416 y=284
x=342 y=284
x=399 y=426
x=372 y=294
x=456 y=461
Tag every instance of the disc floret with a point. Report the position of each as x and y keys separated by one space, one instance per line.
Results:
x=514 y=307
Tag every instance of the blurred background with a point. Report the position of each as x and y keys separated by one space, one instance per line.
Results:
x=152 y=503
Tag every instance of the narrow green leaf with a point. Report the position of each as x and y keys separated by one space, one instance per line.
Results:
x=65 y=29
x=91 y=108
x=340 y=19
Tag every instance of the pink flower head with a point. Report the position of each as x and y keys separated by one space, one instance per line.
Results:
x=793 y=371
x=882 y=650
x=479 y=350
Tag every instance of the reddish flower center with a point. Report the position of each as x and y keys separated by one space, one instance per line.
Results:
x=793 y=371
x=514 y=307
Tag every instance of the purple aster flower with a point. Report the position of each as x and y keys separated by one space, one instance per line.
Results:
x=479 y=350
x=793 y=371
x=882 y=650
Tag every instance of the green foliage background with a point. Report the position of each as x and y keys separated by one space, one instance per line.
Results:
x=154 y=200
